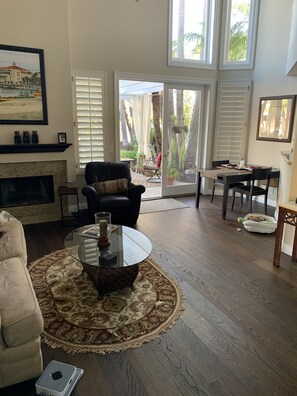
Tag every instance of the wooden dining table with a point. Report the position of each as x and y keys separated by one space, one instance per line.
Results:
x=227 y=176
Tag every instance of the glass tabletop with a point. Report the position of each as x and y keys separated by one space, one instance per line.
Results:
x=127 y=246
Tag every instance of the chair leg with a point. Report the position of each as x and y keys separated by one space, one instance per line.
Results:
x=155 y=174
x=251 y=201
x=233 y=199
x=265 y=203
x=241 y=199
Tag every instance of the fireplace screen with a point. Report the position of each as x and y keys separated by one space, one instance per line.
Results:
x=21 y=191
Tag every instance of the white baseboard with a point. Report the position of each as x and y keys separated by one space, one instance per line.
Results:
x=287 y=249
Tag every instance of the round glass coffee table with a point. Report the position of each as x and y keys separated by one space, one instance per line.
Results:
x=115 y=266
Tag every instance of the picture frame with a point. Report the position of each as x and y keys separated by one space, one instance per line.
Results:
x=62 y=138
x=22 y=86
x=276 y=118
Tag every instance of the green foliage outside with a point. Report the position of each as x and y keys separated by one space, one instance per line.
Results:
x=130 y=153
x=238 y=35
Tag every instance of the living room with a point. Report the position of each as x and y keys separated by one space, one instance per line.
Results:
x=130 y=37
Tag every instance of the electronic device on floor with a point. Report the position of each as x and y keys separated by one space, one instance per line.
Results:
x=58 y=379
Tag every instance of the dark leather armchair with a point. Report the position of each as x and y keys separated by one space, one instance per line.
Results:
x=124 y=207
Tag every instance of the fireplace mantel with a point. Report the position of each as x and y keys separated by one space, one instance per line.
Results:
x=33 y=148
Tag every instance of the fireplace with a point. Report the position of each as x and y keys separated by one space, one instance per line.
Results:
x=25 y=208
x=30 y=190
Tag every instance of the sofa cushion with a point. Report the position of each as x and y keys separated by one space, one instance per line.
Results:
x=111 y=186
x=5 y=216
x=13 y=241
x=21 y=319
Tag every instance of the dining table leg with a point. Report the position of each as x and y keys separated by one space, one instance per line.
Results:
x=279 y=236
x=198 y=189
x=225 y=198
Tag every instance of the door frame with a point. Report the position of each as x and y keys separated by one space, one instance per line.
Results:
x=210 y=86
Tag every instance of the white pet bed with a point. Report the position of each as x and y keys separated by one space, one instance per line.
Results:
x=257 y=222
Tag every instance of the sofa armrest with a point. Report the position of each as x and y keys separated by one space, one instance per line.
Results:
x=12 y=242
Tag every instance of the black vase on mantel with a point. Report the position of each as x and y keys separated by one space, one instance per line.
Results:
x=35 y=138
x=26 y=137
x=17 y=137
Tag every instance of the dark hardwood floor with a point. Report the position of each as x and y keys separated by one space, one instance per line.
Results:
x=238 y=333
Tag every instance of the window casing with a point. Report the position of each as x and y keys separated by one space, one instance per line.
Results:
x=238 y=34
x=89 y=105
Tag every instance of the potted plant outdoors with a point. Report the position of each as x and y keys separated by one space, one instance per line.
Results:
x=172 y=174
x=180 y=128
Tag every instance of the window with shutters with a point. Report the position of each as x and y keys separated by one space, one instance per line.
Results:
x=88 y=99
x=233 y=103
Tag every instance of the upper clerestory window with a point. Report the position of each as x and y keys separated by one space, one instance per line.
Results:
x=191 y=33
x=195 y=27
x=239 y=30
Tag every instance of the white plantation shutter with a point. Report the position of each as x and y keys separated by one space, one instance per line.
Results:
x=88 y=92
x=233 y=104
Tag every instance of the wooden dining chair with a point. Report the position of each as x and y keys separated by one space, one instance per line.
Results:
x=220 y=183
x=252 y=190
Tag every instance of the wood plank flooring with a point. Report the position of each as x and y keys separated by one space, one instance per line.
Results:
x=238 y=333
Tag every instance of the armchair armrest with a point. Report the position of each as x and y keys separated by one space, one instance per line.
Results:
x=89 y=191
x=91 y=194
x=134 y=194
x=135 y=190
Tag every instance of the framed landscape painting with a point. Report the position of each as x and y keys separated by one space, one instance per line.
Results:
x=276 y=117
x=22 y=86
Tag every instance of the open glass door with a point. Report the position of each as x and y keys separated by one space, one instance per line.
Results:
x=181 y=138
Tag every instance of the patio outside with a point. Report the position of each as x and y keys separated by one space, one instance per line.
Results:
x=141 y=133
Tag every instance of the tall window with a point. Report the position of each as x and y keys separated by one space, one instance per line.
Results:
x=239 y=25
x=88 y=99
x=194 y=33
x=191 y=33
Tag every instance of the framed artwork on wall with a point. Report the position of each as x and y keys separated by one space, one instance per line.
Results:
x=276 y=117
x=22 y=86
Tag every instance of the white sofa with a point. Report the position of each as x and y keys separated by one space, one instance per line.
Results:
x=21 y=321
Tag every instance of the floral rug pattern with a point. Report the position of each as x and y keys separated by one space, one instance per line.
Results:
x=77 y=321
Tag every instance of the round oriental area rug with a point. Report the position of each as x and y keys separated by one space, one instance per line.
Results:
x=77 y=321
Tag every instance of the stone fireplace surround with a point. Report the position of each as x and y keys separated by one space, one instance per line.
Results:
x=31 y=214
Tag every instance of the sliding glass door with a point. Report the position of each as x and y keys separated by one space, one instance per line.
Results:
x=182 y=138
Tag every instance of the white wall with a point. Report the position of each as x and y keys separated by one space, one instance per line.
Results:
x=42 y=24
x=269 y=76
x=122 y=36
x=270 y=79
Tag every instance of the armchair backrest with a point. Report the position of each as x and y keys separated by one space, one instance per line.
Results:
x=102 y=171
